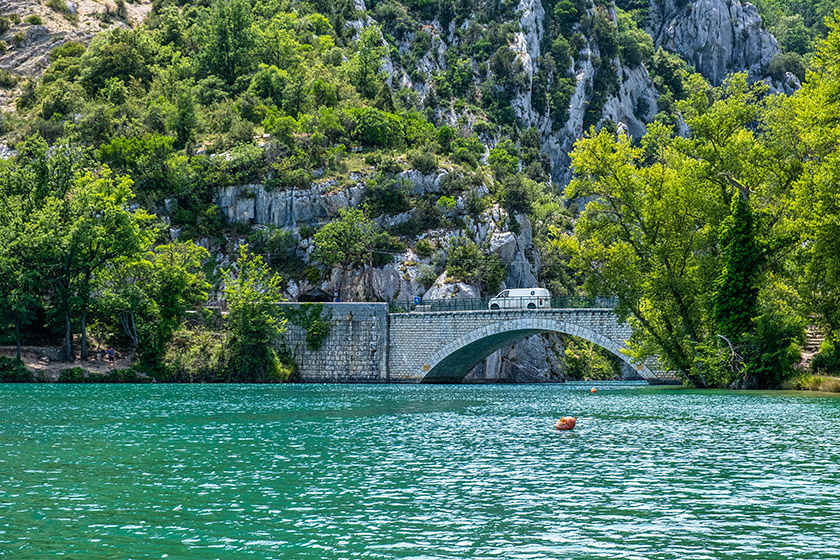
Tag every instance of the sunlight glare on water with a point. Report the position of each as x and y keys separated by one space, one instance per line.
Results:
x=419 y=472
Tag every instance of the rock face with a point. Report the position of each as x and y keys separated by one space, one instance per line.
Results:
x=718 y=37
x=534 y=359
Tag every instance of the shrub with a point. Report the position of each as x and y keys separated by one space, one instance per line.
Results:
x=467 y=151
x=828 y=359
x=424 y=248
x=72 y=375
x=423 y=160
x=34 y=19
x=59 y=6
x=378 y=129
x=585 y=360
x=466 y=263
x=387 y=194
x=7 y=79
x=193 y=356
x=426 y=275
x=786 y=62
x=13 y=371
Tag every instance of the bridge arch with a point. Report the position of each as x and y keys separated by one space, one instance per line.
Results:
x=452 y=362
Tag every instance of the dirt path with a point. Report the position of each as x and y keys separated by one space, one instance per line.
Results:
x=35 y=361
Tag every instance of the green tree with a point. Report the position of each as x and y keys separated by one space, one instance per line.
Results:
x=810 y=117
x=254 y=320
x=646 y=238
x=366 y=64
x=228 y=40
x=349 y=240
x=735 y=294
x=76 y=234
x=148 y=295
x=184 y=120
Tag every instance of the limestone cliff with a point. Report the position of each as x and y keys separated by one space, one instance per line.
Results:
x=718 y=37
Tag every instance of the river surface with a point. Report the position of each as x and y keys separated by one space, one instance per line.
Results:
x=420 y=472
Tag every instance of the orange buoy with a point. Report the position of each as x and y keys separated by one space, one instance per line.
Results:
x=594 y=390
x=565 y=423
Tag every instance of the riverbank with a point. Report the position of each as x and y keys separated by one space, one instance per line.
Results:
x=42 y=365
x=813 y=382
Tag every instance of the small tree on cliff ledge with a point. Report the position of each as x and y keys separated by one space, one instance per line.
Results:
x=253 y=321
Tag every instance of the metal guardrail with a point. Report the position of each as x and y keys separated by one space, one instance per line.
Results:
x=419 y=305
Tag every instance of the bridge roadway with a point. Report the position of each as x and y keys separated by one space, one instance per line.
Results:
x=370 y=345
x=441 y=347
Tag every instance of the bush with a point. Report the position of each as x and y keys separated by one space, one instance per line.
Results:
x=827 y=361
x=585 y=360
x=424 y=248
x=13 y=371
x=786 y=62
x=59 y=6
x=466 y=263
x=772 y=350
x=34 y=19
x=72 y=375
x=467 y=151
x=387 y=194
x=7 y=79
x=378 y=129
x=423 y=160
x=193 y=356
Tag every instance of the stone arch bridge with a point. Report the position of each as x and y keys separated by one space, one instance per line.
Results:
x=369 y=344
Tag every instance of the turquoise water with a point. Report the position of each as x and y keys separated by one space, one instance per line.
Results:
x=421 y=472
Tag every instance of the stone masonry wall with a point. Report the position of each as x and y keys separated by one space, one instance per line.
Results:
x=354 y=351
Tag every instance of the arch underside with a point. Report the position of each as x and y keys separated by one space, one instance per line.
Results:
x=452 y=363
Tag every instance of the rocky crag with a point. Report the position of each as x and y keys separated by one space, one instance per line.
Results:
x=556 y=85
x=717 y=37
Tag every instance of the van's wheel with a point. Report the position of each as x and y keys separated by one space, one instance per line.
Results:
x=531 y=306
x=494 y=306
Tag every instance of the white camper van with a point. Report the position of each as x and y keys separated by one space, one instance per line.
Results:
x=523 y=298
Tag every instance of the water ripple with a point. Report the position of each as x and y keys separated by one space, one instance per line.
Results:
x=416 y=472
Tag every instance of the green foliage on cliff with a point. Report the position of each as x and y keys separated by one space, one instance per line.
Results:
x=304 y=95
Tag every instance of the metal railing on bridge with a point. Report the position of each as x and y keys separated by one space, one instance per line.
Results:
x=420 y=305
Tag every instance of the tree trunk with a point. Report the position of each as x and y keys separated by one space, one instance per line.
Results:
x=17 y=335
x=84 y=332
x=85 y=304
x=68 y=335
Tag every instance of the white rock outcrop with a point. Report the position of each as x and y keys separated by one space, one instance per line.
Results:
x=718 y=37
